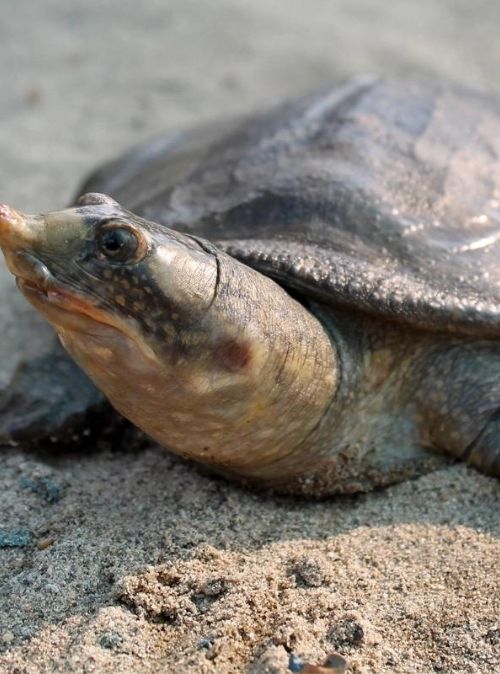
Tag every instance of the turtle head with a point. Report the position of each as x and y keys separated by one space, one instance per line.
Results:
x=211 y=358
x=98 y=264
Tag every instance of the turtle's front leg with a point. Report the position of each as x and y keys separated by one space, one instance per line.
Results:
x=50 y=399
x=459 y=403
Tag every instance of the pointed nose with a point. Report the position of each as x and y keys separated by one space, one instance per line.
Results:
x=15 y=231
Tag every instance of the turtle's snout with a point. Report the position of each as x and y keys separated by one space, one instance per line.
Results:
x=15 y=230
x=19 y=235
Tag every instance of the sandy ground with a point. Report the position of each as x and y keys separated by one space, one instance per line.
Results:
x=130 y=560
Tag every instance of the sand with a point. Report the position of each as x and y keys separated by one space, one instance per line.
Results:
x=127 y=559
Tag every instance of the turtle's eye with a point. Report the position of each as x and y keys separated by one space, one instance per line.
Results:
x=118 y=242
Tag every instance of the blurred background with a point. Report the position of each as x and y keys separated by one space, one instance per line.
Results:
x=82 y=80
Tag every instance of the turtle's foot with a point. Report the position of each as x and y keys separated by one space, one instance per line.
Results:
x=49 y=399
x=458 y=402
x=484 y=452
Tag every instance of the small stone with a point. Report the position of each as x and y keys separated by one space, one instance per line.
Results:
x=44 y=543
x=346 y=632
x=493 y=636
x=52 y=587
x=44 y=487
x=27 y=631
x=8 y=637
x=215 y=587
x=110 y=640
x=295 y=663
x=15 y=538
x=206 y=642
x=310 y=572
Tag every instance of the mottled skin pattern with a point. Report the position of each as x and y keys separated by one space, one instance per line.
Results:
x=375 y=206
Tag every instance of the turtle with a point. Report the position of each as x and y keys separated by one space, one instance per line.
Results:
x=306 y=299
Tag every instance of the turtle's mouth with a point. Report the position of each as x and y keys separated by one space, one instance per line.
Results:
x=34 y=279
x=60 y=303
x=52 y=294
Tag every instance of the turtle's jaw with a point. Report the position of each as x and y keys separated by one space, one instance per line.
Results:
x=61 y=305
x=64 y=307
x=33 y=278
x=42 y=290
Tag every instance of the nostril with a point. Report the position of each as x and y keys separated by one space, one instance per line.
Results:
x=8 y=217
x=5 y=212
x=13 y=227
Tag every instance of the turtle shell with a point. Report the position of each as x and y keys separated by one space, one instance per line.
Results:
x=382 y=195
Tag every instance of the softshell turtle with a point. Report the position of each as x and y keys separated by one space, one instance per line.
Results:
x=308 y=299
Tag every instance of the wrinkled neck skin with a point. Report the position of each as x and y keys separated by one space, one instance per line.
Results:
x=242 y=391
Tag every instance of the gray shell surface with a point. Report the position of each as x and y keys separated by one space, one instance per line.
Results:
x=382 y=195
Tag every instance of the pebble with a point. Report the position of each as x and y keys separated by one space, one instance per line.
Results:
x=295 y=663
x=16 y=538
x=44 y=487
x=206 y=642
x=8 y=637
x=44 y=543
x=110 y=640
